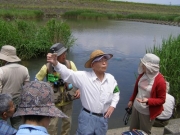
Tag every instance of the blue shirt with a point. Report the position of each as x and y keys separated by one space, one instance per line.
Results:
x=27 y=129
x=6 y=129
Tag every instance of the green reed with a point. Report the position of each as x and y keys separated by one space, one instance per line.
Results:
x=169 y=63
x=21 y=14
x=90 y=14
x=32 y=40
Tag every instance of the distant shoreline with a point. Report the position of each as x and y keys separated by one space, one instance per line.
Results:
x=156 y=22
x=135 y=20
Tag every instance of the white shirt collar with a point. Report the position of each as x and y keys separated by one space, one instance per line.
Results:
x=94 y=77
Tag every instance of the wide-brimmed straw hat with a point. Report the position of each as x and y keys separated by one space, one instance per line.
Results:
x=37 y=98
x=58 y=48
x=8 y=53
x=94 y=55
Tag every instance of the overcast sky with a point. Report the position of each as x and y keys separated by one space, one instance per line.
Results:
x=166 y=2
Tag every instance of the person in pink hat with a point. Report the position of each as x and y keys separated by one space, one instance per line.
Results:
x=12 y=77
x=99 y=92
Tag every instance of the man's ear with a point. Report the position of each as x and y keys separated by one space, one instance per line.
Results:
x=92 y=65
x=4 y=115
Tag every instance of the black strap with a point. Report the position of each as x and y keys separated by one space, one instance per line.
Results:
x=127 y=115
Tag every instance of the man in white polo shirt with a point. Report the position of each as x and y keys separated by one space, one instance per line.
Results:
x=99 y=92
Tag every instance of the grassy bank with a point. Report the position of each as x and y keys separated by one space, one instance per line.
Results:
x=89 y=14
x=21 y=14
x=100 y=9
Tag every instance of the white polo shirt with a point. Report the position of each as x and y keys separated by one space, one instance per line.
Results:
x=96 y=96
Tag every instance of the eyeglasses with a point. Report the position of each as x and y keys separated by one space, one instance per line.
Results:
x=103 y=60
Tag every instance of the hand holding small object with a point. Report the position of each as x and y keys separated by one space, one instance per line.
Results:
x=142 y=100
x=52 y=58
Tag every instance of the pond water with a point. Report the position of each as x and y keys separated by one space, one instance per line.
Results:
x=126 y=40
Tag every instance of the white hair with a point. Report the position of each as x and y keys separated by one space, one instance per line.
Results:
x=4 y=102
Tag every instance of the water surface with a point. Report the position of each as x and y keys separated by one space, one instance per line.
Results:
x=126 y=40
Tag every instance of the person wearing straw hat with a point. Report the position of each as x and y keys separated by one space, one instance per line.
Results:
x=37 y=108
x=149 y=94
x=99 y=92
x=12 y=77
x=60 y=89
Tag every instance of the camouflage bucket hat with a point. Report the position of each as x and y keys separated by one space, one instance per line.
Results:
x=37 y=98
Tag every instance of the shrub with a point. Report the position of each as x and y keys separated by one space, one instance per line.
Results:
x=32 y=40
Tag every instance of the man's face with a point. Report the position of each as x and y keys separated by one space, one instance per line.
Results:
x=62 y=58
x=100 y=66
x=9 y=113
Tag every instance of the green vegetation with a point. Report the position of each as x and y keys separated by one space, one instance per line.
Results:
x=97 y=9
x=169 y=64
x=32 y=40
x=21 y=14
x=89 y=14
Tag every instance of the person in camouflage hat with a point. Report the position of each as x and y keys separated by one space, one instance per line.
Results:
x=37 y=108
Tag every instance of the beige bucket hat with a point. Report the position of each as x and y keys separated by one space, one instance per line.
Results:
x=150 y=59
x=8 y=53
x=94 y=55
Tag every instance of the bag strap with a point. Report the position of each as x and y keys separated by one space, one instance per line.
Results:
x=49 y=70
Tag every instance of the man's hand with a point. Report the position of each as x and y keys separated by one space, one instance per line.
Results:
x=52 y=58
x=77 y=94
x=109 y=112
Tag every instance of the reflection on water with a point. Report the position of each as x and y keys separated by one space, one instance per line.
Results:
x=126 y=40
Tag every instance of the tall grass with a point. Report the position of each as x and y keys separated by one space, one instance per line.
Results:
x=21 y=14
x=90 y=14
x=169 y=63
x=32 y=40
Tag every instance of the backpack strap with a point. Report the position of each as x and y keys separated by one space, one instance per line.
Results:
x=50 y=68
